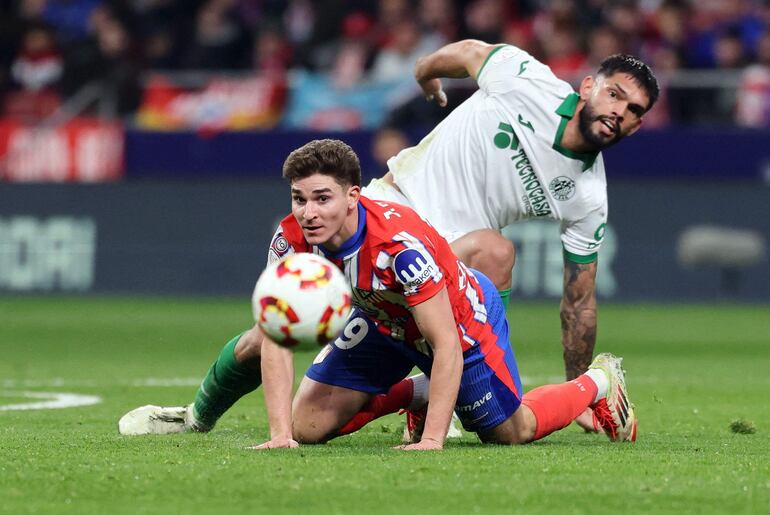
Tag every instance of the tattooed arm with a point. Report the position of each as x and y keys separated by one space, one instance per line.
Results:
x=578 y=316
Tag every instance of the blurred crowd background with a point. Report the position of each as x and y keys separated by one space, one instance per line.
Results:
x=186 y=110
x=130 y=58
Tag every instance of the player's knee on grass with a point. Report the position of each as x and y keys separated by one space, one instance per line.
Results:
x=307 y=432
x=319 y=410
x=517 y=429
x=248 y=350
x=489 y=252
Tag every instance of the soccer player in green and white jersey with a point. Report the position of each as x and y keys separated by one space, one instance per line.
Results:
x=524 y=146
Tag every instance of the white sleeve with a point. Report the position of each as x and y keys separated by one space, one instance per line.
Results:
x=583 y=238
x=507 y=68
x=279 y=247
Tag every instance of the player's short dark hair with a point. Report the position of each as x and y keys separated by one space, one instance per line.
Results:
x=642 y=74
x=330 y=157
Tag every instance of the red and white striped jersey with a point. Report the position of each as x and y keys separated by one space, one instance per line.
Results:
x=395 y=261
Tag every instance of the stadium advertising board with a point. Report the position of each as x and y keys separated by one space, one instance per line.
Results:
x=714 y=154
x=214 y=103
x=211 y=238
x=318 y=102
x=82 y=150
x=54 y=253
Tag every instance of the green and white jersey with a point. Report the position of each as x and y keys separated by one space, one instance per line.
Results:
x=498 y=159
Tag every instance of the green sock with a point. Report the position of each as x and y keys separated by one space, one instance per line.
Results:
x=226 y=382
x=505 y=295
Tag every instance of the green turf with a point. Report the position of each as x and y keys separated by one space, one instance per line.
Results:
x=692 y=371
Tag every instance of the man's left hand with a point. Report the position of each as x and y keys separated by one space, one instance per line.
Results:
x=422 y=445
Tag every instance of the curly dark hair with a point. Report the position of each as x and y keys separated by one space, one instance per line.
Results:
x=325 y=156
x=642 y=74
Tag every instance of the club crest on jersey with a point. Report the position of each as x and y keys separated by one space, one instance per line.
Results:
x=280 y=245
x=414 y=268
x=562 y=188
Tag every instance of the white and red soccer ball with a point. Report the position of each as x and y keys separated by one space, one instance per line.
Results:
x=301 y=299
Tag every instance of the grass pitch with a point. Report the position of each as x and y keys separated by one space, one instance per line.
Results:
x=692 y=371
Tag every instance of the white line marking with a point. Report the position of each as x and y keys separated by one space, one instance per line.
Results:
x=54 y=400
x=54 y=382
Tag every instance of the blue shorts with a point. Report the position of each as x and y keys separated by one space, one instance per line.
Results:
x=365 y=360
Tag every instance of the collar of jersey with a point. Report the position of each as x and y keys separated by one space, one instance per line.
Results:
x=567 y=111
x=354 y=242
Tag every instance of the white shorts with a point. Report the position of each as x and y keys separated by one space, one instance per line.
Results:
x=378 y=189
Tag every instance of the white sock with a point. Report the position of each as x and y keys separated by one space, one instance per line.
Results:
x=420 y=395
x=602 y=383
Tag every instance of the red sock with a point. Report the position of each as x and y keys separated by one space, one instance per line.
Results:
x=556 y=405
x=398 y=397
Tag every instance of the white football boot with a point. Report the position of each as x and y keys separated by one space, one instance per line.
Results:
x=615 y=412
x=157 y=420
x=454 y=428
x=415 y=423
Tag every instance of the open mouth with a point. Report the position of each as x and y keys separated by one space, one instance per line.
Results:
x=612 y=127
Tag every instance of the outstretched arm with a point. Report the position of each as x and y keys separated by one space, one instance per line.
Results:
x=455 y=61
x=277 y=382
x=437 y=324
x=578 y=316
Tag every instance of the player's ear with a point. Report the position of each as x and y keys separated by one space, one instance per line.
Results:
x=354 y=193
x=586 y=85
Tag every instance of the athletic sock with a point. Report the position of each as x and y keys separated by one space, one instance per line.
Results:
x=555 y=406
x=602 y=383
x=505 y=295
x=398 y=397
x=226 y=382
x=420 y=389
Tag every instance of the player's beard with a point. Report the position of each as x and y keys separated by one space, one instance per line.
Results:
x=586 y=118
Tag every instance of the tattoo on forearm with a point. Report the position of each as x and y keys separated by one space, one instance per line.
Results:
x=578 y=317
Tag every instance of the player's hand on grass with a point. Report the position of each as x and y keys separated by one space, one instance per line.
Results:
x=426 y=444
x=277 y=443
x=433 y=92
